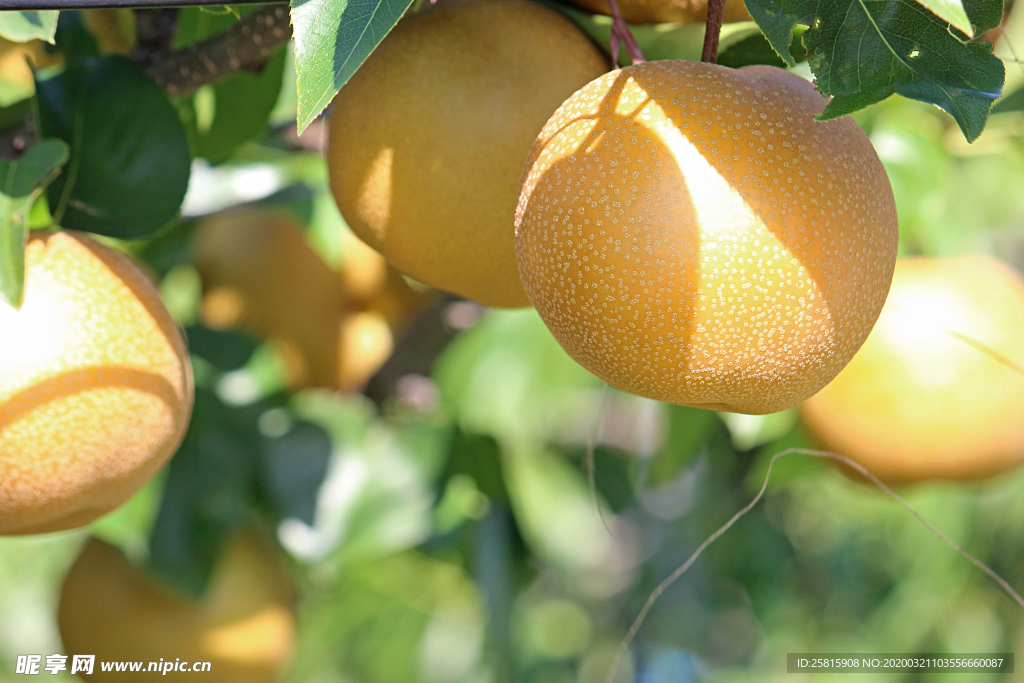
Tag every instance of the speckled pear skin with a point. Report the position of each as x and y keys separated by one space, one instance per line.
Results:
x=243 y=624
x=936 y=391
x=427 y=140
x=689 y=233
x=95 y=386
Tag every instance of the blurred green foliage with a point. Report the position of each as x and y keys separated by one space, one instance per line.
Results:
x=456 y=538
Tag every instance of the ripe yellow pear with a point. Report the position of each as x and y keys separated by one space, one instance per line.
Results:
x=95 y=386
x=113 y=28
x=937 y=390
x=17 y=60
x=260 y=274
x=363 y=270
x=689 y=233
x=243 y=625
x=662 y=11
x=370 y=284
x=427 y=140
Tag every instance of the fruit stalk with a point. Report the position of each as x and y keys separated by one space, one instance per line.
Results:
x=716 y=14
x=621 y=33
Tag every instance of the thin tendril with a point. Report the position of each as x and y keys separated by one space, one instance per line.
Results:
x=664 y=585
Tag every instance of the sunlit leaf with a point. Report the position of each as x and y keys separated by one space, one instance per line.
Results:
x=862 y=51
x=21 y=182
x=24 y=26
x=332 y=39
x=952 y=12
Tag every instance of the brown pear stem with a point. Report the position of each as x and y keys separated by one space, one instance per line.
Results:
x=622 y=34
x=716 y=14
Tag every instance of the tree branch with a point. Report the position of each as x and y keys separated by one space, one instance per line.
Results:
x=246 y=45
x=716 y=14
x=18 y=138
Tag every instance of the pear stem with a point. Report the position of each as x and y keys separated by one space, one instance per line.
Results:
x=716 y=14
x=621 y=35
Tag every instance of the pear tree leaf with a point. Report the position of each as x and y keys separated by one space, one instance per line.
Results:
x=129 y=166
x=208 y=493
x=1011 y=102
x=332 y=39
x=21 y=182
x=74 y=41
x=221 y=116
x=689 y=429
x=756 y=49
x=27 y=25
x=862 y=51
x=228 y=467
x=952 y=12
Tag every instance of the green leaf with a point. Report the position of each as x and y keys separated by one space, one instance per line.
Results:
x=292 y=470
x=477 y=456
x=225 y=350
x=234 y=460
x=862 y=51
x=221 y=116
x=73 y=39
x=555 y=511
x=757 y=50
x=750 y=431
x=208 y=494
x=21 y=182
x=952 y=12
x=22 y=27
x=374 y=622
x=237 y=110
x=332 y=39
x=689 y=430
x=1012 y=102
x=129 y=165
x=776 y=25
x=540 y=384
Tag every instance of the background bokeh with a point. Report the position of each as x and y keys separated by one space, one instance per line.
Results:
x=439 y=527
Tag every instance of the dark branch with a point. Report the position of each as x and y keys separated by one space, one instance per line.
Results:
x=415 y=351
x=246 y=45
x=154 y=30
x=18 y=138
